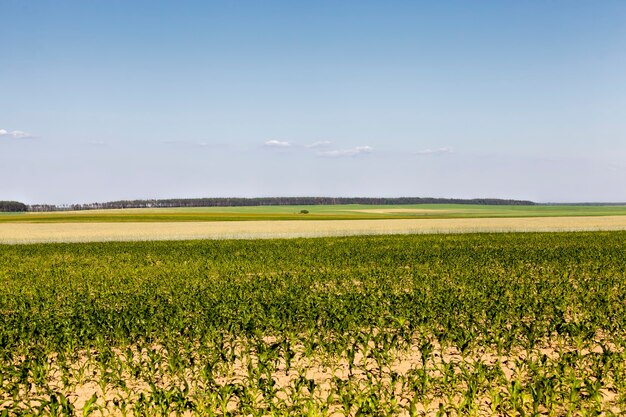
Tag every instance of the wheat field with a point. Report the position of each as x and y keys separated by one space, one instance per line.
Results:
x=136 y=231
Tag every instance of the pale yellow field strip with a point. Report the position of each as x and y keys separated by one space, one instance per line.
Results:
x=95 y=232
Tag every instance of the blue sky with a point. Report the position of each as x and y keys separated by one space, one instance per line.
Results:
x=104 y=100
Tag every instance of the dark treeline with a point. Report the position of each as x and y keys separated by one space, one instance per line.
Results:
x=272 y=201
x=13 y=206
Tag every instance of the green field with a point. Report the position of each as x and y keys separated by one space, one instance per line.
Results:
x=334 y=212
x=480 y=324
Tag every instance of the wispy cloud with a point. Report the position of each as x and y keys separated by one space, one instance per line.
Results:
x=276 y=144
x=16 y=134
x=319 y=144
x=338 y=153
x=438 y=151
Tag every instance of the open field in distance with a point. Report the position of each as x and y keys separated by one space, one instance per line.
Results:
x=288 y=221
x=331 y=212
x=23 y=232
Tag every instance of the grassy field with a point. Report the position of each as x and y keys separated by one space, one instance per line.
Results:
x=336 y=212
x=478 y=324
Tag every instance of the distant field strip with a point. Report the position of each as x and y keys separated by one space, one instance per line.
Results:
x=328 y=212
x=136 y=231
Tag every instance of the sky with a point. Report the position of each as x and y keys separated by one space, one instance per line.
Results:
x=107 y=100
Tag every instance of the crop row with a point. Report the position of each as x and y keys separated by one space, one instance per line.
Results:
x=485 y=324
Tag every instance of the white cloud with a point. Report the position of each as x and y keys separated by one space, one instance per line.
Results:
x=16 y=134
x=276 y=144
x=438 y=151
x=319 y=144
x=359 y=150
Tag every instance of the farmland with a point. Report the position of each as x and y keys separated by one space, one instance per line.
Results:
x=448 y=324
x=263 y=229
x=321 y=212
x=289 y=221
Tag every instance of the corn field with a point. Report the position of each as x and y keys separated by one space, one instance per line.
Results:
x=506 y=324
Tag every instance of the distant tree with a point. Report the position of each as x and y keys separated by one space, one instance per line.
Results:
x=304 y=211
x=271 y=201
x=12 y=206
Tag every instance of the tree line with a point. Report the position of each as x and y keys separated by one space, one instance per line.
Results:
x=12 y=206
x=272 y=201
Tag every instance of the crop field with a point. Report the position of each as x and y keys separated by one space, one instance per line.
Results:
x=289 y=221
x=264 y=229
x=318 y=212
x=502 y=324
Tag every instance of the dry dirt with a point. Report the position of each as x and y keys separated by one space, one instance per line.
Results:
x=86 y=375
